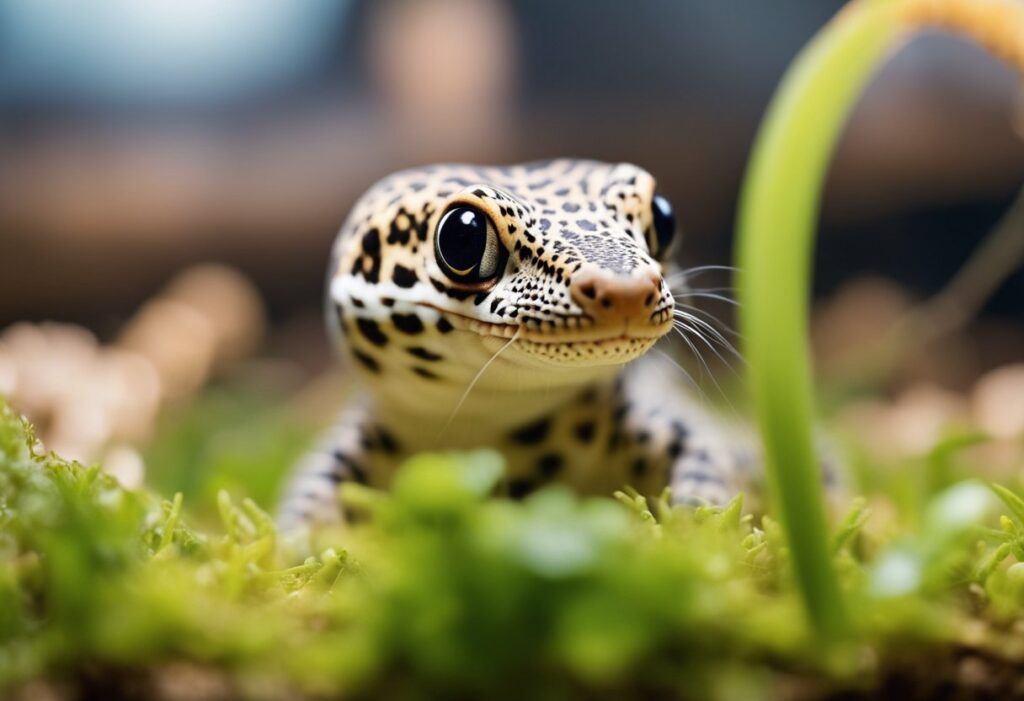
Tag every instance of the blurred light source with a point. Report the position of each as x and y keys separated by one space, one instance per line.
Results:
x=158 y=50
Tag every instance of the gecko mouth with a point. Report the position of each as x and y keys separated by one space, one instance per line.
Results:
x=607 y=351
x=577 y=343
x=573 y=329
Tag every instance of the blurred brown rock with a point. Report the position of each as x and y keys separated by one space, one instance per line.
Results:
x=909 y=426
x=179 y=341
x=91 y=401
x=998 y=401
x=229 y=302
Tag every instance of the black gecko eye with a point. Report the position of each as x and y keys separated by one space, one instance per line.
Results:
x=664 y=225
x=466 y=245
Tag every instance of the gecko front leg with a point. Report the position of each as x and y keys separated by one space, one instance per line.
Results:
x=346 y=453
x=683 y=446
x=706 y=472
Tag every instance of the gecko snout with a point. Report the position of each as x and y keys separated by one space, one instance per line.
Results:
x=611 y=299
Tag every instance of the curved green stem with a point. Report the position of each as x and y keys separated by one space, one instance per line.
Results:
x=778 y=212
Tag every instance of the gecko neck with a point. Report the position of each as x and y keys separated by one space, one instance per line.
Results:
x=428 y=415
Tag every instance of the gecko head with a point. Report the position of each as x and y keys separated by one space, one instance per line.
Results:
x=557 y=264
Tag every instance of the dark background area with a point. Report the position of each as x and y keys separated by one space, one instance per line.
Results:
x=136 y=142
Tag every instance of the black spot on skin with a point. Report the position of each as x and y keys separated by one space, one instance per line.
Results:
x=404 y=277
x=407 y=323
x=359 y=474
x=353 y=468
x=358 y=303
x=585 y=431
x=638 y=468
x=534 y=433
x=458 y=294
x=520 y=487
x=570 y=207
x=480 y=298
x=679 y=430
x=371 y=243
x=369 y=263
x=421 y=228
x=366 y=361
x=398 y=235
x=550 y=464
x=424 y=373
x=387 y=301
x=675 y=449
x=678 y=444
x=423 y=353
x=371 y=331
x=367 y=442
x=370 y=267
x=450 y=291
x=586 y=225
x=444 y=326
x=386 y=441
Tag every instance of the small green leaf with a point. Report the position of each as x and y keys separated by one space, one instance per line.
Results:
x=851 y=525
x=171 y=522
x=1013 y=502
x=994 y=560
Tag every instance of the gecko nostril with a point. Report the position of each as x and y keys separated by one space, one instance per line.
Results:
x=615 y=298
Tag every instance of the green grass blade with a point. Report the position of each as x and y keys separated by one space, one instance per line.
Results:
x=778 y=211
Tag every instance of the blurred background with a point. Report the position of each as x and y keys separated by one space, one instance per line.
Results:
x=139 y=138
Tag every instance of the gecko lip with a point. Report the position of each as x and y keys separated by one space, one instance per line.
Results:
x=659 y=324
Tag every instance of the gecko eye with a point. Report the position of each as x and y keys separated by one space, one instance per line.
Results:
x=466 y=245
x=664 y=226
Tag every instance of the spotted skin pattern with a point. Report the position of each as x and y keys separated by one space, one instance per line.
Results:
x=532 y=363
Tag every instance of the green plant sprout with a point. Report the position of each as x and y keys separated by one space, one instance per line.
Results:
x=445 y=591
x=778 y=211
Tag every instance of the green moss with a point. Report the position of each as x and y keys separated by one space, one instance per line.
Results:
x=444 y=591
